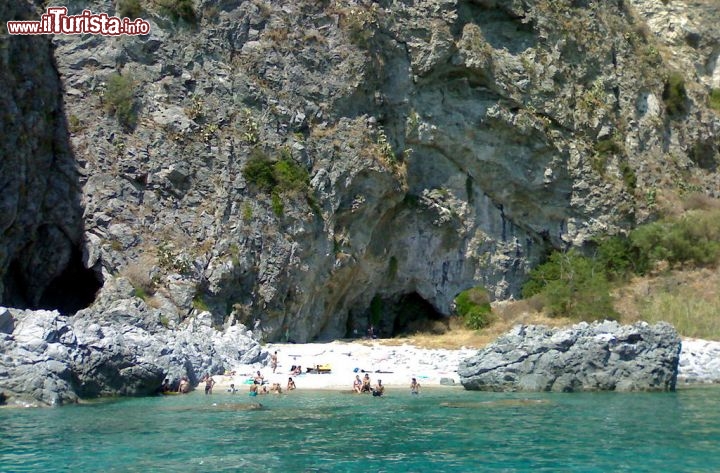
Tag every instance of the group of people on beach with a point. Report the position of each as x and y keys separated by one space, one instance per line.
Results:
x=364 y=386
x=260 y=387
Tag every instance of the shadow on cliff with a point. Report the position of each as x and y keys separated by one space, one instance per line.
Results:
x=41 y=214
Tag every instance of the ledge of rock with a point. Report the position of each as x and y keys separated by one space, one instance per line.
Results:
x=602 y=356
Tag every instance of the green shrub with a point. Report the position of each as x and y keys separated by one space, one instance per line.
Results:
x=199 y=303
x=715 y=99
x=269 y=175
x=674 y=95
x=120 y=99
x=619 y=257
x=572 y=285
x=130 y=9
x=290 y=176
x=628 y=175
x=693 y=239
x=608 y=146
x=179 y=10
x=277 y=205
x=259 y=171
x=473 y=306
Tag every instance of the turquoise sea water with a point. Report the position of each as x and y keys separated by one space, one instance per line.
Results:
x=332 y=432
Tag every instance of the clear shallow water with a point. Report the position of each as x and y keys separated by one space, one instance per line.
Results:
x=331 y=432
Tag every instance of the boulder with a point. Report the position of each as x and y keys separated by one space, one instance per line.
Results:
x=116 y=347
x=602 y=356
x=7 y=323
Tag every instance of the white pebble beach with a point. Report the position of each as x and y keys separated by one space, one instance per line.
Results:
x=394 y=365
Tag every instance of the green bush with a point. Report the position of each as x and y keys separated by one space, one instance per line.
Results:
x=199 y=303
x=290 y=176
x=277 y=204
x=608 y=146
x=674 y=95
x=259 y=171
x=715 y=99
x=120 y=99
x=276 y=176
x=693 y=239
x=629 y=176
x=130 y=9
x=619 y=257
x=179 y=10
x=283 y=175
x=473 y=306
x=572 y=285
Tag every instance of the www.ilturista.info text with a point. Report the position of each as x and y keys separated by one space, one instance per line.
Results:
x=57 y=21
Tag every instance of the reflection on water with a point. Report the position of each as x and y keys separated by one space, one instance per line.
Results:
x=440 y=430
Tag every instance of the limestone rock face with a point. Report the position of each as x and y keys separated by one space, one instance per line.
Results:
x=602 y=356
x=447 y=144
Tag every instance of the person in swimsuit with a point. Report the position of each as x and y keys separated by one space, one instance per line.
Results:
x=357 y=384
x=414 y=387
x=258 y=378
x=209 y=383
x=290 y=385
x=366 y=388
x=184 y=386
x=379 y=389
x=273 y=361
x=253 y=390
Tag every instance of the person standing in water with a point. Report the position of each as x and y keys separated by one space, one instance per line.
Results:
x=414 y=387
x=209 y=383
x=273 y=361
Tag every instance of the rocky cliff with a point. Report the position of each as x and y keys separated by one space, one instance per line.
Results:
x=310 y=167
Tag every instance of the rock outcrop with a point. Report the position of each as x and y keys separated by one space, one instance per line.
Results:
x=602 y=356
x=447 y=143
x=418 y=149
x=117 y=348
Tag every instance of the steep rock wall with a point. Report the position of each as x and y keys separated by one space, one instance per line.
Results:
x=449 y=143
x=41 y=226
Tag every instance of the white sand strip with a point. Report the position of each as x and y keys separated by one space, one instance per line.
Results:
x=394 y=365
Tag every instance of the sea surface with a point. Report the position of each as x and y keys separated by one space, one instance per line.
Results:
x=440 y=430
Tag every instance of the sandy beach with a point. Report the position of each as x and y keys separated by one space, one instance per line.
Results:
x=394 y=365
x=397 y=365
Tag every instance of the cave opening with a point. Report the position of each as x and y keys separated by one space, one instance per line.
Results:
x=73 y=289
x=413 y=314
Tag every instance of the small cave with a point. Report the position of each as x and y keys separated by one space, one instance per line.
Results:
x=414 y=314
x=395 y=316
x=73 y=289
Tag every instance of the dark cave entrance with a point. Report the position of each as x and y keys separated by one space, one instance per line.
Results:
x=73 y=289
x=412 y=314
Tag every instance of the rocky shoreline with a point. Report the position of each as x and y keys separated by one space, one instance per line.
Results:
x=122 y=350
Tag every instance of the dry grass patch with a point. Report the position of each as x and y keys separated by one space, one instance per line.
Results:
x=506 y=315
x=689 y=300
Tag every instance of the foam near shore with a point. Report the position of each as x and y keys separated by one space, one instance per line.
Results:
x=394 y=365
